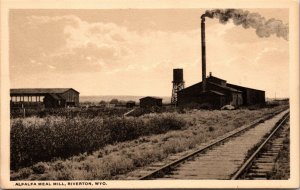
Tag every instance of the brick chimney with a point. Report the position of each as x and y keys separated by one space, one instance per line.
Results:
x=203 y=50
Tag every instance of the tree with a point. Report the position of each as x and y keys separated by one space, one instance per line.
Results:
x=102 y=102
x=114 y=101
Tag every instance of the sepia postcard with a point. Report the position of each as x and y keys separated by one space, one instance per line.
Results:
x=149 y=94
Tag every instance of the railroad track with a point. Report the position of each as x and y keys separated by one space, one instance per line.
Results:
x=260 y=165
x=223 y=158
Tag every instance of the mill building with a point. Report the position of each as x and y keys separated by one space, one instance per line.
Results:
x=212 y=91
x=218 y=93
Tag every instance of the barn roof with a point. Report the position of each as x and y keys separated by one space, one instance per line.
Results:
x=243 y=87
x=211 y=83
x=225 y=87
x=56 y=96
x=151 y=97
x=215 y=78
x=39 y=90
x=217 y=93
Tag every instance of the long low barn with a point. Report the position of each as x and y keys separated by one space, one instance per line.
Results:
x=44 y=97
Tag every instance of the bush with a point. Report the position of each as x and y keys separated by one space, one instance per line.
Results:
x=50 y=137
x=163 y=124
x=40 y=168
x=21 y=174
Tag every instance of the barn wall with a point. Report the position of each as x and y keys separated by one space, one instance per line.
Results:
x=237 y=99
x=255 y=97
x=213 y=100
x=50 y=102
x=150 y=102
x=189 y=95
x=71 y=97
x=250 y=96
x=186 y=98
x=216 y=101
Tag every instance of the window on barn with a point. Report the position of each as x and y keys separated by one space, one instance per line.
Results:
x=26 y=99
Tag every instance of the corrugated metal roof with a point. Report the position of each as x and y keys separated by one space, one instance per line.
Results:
x=39 y=90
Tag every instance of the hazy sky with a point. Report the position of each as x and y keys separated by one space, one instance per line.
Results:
x=133 y=52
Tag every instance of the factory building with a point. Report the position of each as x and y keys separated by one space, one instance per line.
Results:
x=44 y=98
x=217 y=94
x=150 y=101
x=214 y=92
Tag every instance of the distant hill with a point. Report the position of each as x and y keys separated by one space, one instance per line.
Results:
x=107 y=98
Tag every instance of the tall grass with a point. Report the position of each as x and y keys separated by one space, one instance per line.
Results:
x=69 y=112
x=35 y=139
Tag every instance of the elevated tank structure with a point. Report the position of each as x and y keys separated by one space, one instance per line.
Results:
x=178 y=84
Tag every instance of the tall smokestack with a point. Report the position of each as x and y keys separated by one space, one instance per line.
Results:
x=203 y=49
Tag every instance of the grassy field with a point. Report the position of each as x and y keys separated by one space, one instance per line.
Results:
x=115 y=158
x=36 y=139
x=70 y=112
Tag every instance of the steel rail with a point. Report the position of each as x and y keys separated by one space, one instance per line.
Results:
x=245 y=166
x=168 y=167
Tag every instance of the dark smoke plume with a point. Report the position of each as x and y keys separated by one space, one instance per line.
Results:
x=263 y=27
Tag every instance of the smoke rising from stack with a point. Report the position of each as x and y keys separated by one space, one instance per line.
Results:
x=263 y=27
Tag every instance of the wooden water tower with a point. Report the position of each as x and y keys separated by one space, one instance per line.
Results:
x=178 y=84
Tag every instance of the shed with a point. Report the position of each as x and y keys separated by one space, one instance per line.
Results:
x=150 y=101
